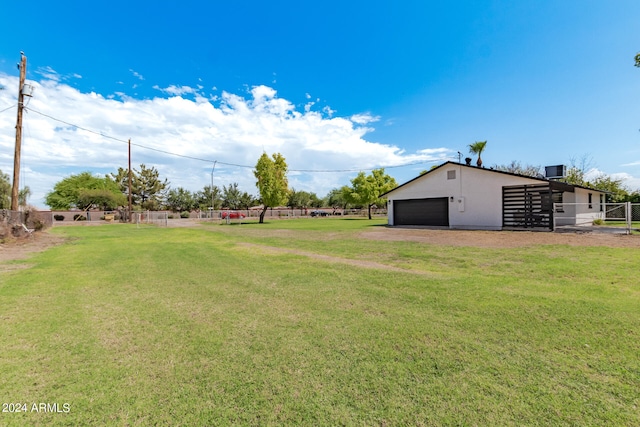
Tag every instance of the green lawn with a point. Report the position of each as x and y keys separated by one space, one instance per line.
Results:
x=227 y=325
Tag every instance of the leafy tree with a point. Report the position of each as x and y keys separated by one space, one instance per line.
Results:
x=180 y=200
x=231 y=196
x=338 y=197
x=577 y=171
x=5 y=191
x=366 y=189
x=577 y=175
x=83 y=191
x=299 y=199
x=634 y=197
x=315 y=201
x=477 y=148
x=517 y=168
x=616 y=190
x=106 y=199
x=638 y=60
x=151 y=189
x=203 y=198
x=147 y=189
x=272 y=183
x=246 y=201
x=23 y=196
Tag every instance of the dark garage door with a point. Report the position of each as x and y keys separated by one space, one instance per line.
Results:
x=421 y=212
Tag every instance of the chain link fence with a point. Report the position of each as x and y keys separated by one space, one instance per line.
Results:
x=623 y=215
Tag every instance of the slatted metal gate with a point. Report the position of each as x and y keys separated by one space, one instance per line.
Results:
x=531 y=205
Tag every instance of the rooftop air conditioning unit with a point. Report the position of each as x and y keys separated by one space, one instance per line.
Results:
x=555 y=172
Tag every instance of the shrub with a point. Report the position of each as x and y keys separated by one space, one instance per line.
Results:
x=58 y=217
x=598 y=222
x=185 y=214
x=79 y=217
x=170 y=216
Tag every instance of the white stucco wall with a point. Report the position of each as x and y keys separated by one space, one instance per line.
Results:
x=476 y=193
x=577 y=210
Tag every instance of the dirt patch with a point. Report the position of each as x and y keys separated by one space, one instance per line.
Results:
x=328 y=258
x=22 y=248
x=500 y=239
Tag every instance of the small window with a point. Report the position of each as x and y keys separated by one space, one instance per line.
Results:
x=451 y=174
x=590 y=201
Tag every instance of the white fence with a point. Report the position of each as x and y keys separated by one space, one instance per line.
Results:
x=287 y=213
x=159 y=218
x=587 y=214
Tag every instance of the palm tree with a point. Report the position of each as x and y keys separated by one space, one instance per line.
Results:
x=477 y=148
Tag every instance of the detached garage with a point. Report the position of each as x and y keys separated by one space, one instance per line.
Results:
x=433 y=211
x=462 y=196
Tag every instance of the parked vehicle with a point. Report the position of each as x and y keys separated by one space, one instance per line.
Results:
x=232 y=215
x=319 y=213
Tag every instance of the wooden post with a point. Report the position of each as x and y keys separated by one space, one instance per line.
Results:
x=16 y=156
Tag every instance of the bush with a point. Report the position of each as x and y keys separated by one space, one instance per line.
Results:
x=79 y=217
x=58 y=217
x=185 y=214
x=170 y=216
x=598 y=222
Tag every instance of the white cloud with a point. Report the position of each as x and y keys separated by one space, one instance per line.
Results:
x=233 y=130
x=136 y=74
x=48 y=73
x=363 y=119
x=177 y=90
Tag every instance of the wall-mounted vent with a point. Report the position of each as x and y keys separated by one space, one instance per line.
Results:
x=555 y=172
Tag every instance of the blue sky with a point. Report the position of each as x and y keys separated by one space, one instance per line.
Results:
x=334 y=86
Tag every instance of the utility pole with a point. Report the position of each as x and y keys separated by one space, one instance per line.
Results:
x=16 y=156
x=130 y=212
x=212 y=201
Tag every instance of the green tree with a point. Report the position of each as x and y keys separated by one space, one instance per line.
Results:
x=577 y=171
x=299 y=199
x=231 y=196
x=5 y=191
x=367 y=189
x=638 y=60
x=315 y=201
x=151 y=189
x=180 y=200
x=272 y=183
x=338 y=197
x=204 y=197
x=477 y=148
x=102 y=198
x=23 y=196
x=616 y=190
x=246 y=200
x=147 y=189
x=577 y=175
x=83 y=191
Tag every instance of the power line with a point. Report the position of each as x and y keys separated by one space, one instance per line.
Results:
x=8 y=108
x=215 y=161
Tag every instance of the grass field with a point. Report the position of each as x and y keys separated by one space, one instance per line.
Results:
x=304 y=322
